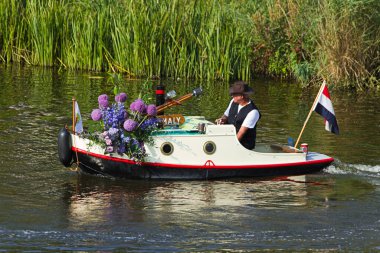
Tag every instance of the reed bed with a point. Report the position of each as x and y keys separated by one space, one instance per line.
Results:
x=295 y=39
x=308 y=40
x=186 y=39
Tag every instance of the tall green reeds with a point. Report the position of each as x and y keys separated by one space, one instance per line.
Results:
x=12 y=32
x=304 y=39
x=299 y=39
x=347 y=41
x=191 y=39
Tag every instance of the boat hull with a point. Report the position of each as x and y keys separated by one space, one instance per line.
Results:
x=186 y=154
x=116 y=167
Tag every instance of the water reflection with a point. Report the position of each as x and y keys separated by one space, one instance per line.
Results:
x=96 y=201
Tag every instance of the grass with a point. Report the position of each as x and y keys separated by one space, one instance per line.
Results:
x=294 y=39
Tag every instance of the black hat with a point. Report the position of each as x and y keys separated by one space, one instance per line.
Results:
x=240 y=87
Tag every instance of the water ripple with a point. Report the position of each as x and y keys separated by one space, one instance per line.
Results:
x=340 y=167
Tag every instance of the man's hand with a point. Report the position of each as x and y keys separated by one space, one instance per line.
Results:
x=221 y=121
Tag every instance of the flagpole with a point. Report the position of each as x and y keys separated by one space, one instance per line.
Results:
x=74 y=123
x=73 y=99
x=308 y=116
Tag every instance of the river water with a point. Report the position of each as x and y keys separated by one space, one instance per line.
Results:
x=47 y=207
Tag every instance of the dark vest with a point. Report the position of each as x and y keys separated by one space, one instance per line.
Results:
x=235 y=118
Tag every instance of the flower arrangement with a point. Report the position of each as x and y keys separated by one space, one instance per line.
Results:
x=125 y=130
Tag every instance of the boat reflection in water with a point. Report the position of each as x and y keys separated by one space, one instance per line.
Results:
x=94 y=201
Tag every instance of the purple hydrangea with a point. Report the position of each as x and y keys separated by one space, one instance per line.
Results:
x=151 y=110
x=138 y=106
x=96 y=114
x=109 y=149
x=121 y=98
x=130 y=125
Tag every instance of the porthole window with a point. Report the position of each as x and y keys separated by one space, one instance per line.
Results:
x=167 y=148
x=209 y=147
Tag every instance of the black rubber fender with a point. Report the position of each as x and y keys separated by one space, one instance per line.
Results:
x=64 y=147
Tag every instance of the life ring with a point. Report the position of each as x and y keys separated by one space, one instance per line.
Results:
x=64 y=147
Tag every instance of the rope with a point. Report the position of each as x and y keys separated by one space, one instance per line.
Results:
x=77 y=168
x=76 y=154
x=97 y=171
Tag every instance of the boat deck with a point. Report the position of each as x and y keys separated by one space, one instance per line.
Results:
x=191 y=127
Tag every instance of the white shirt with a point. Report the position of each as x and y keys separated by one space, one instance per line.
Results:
x=251 y=119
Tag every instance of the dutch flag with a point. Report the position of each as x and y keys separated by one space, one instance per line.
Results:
x=324 y=107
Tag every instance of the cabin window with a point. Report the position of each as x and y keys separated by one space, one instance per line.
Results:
x=209 y=147
x=167 y=148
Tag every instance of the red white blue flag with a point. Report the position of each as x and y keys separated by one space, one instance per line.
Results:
x=324 y=107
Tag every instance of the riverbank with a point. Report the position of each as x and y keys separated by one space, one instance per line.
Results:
x=303 y=40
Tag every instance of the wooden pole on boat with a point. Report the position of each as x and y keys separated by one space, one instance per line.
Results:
x=308 y=116
x=171 y=103
x=73 y=99
x=74 y=122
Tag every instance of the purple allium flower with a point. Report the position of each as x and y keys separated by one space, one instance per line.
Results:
x=130 y=125
x=132 y=106
x=102 y=97
x=138 y=106
x=103 y=103
x=151 y=110
x=103 y=100
x=122 y=97
x=109 y=149
x=96 y=114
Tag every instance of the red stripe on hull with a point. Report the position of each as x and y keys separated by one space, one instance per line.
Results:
x=221 y=167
